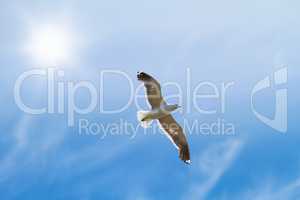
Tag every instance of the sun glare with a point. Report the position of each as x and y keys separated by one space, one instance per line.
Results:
x=50 y=45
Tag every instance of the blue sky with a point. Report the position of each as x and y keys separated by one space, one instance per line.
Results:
x=41 y=157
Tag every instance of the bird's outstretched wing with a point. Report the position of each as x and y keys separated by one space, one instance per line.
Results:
x=175 y=133
x=153 y=90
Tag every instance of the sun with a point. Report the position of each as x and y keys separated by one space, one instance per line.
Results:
x=50 y=45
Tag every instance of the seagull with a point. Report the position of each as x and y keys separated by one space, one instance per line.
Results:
x=161 y=111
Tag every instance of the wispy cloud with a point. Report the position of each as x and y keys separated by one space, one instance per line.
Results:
x=266 y=190
x=211 y=165
x=27 y=146
x=8 y=163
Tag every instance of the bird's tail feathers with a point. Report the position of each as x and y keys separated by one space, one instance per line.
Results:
x=142 y=117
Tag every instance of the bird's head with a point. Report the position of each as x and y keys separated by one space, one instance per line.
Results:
x=176 y=106
x=173 y=107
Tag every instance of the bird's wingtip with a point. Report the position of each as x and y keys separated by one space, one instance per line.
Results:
x=188 y=162
x=142 y=76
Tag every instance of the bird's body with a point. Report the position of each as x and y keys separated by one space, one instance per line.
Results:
x=161 y=111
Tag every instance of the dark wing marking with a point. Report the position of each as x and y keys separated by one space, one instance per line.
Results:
x=153 y=90
x=175 y=133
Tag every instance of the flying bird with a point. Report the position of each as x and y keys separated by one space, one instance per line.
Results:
x=161 y=111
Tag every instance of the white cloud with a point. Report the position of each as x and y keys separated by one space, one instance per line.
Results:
x=8 y=163
x=266 y=190
x=24 y=150
x=211 y=165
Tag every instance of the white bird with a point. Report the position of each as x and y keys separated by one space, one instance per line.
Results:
x=162 y=112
